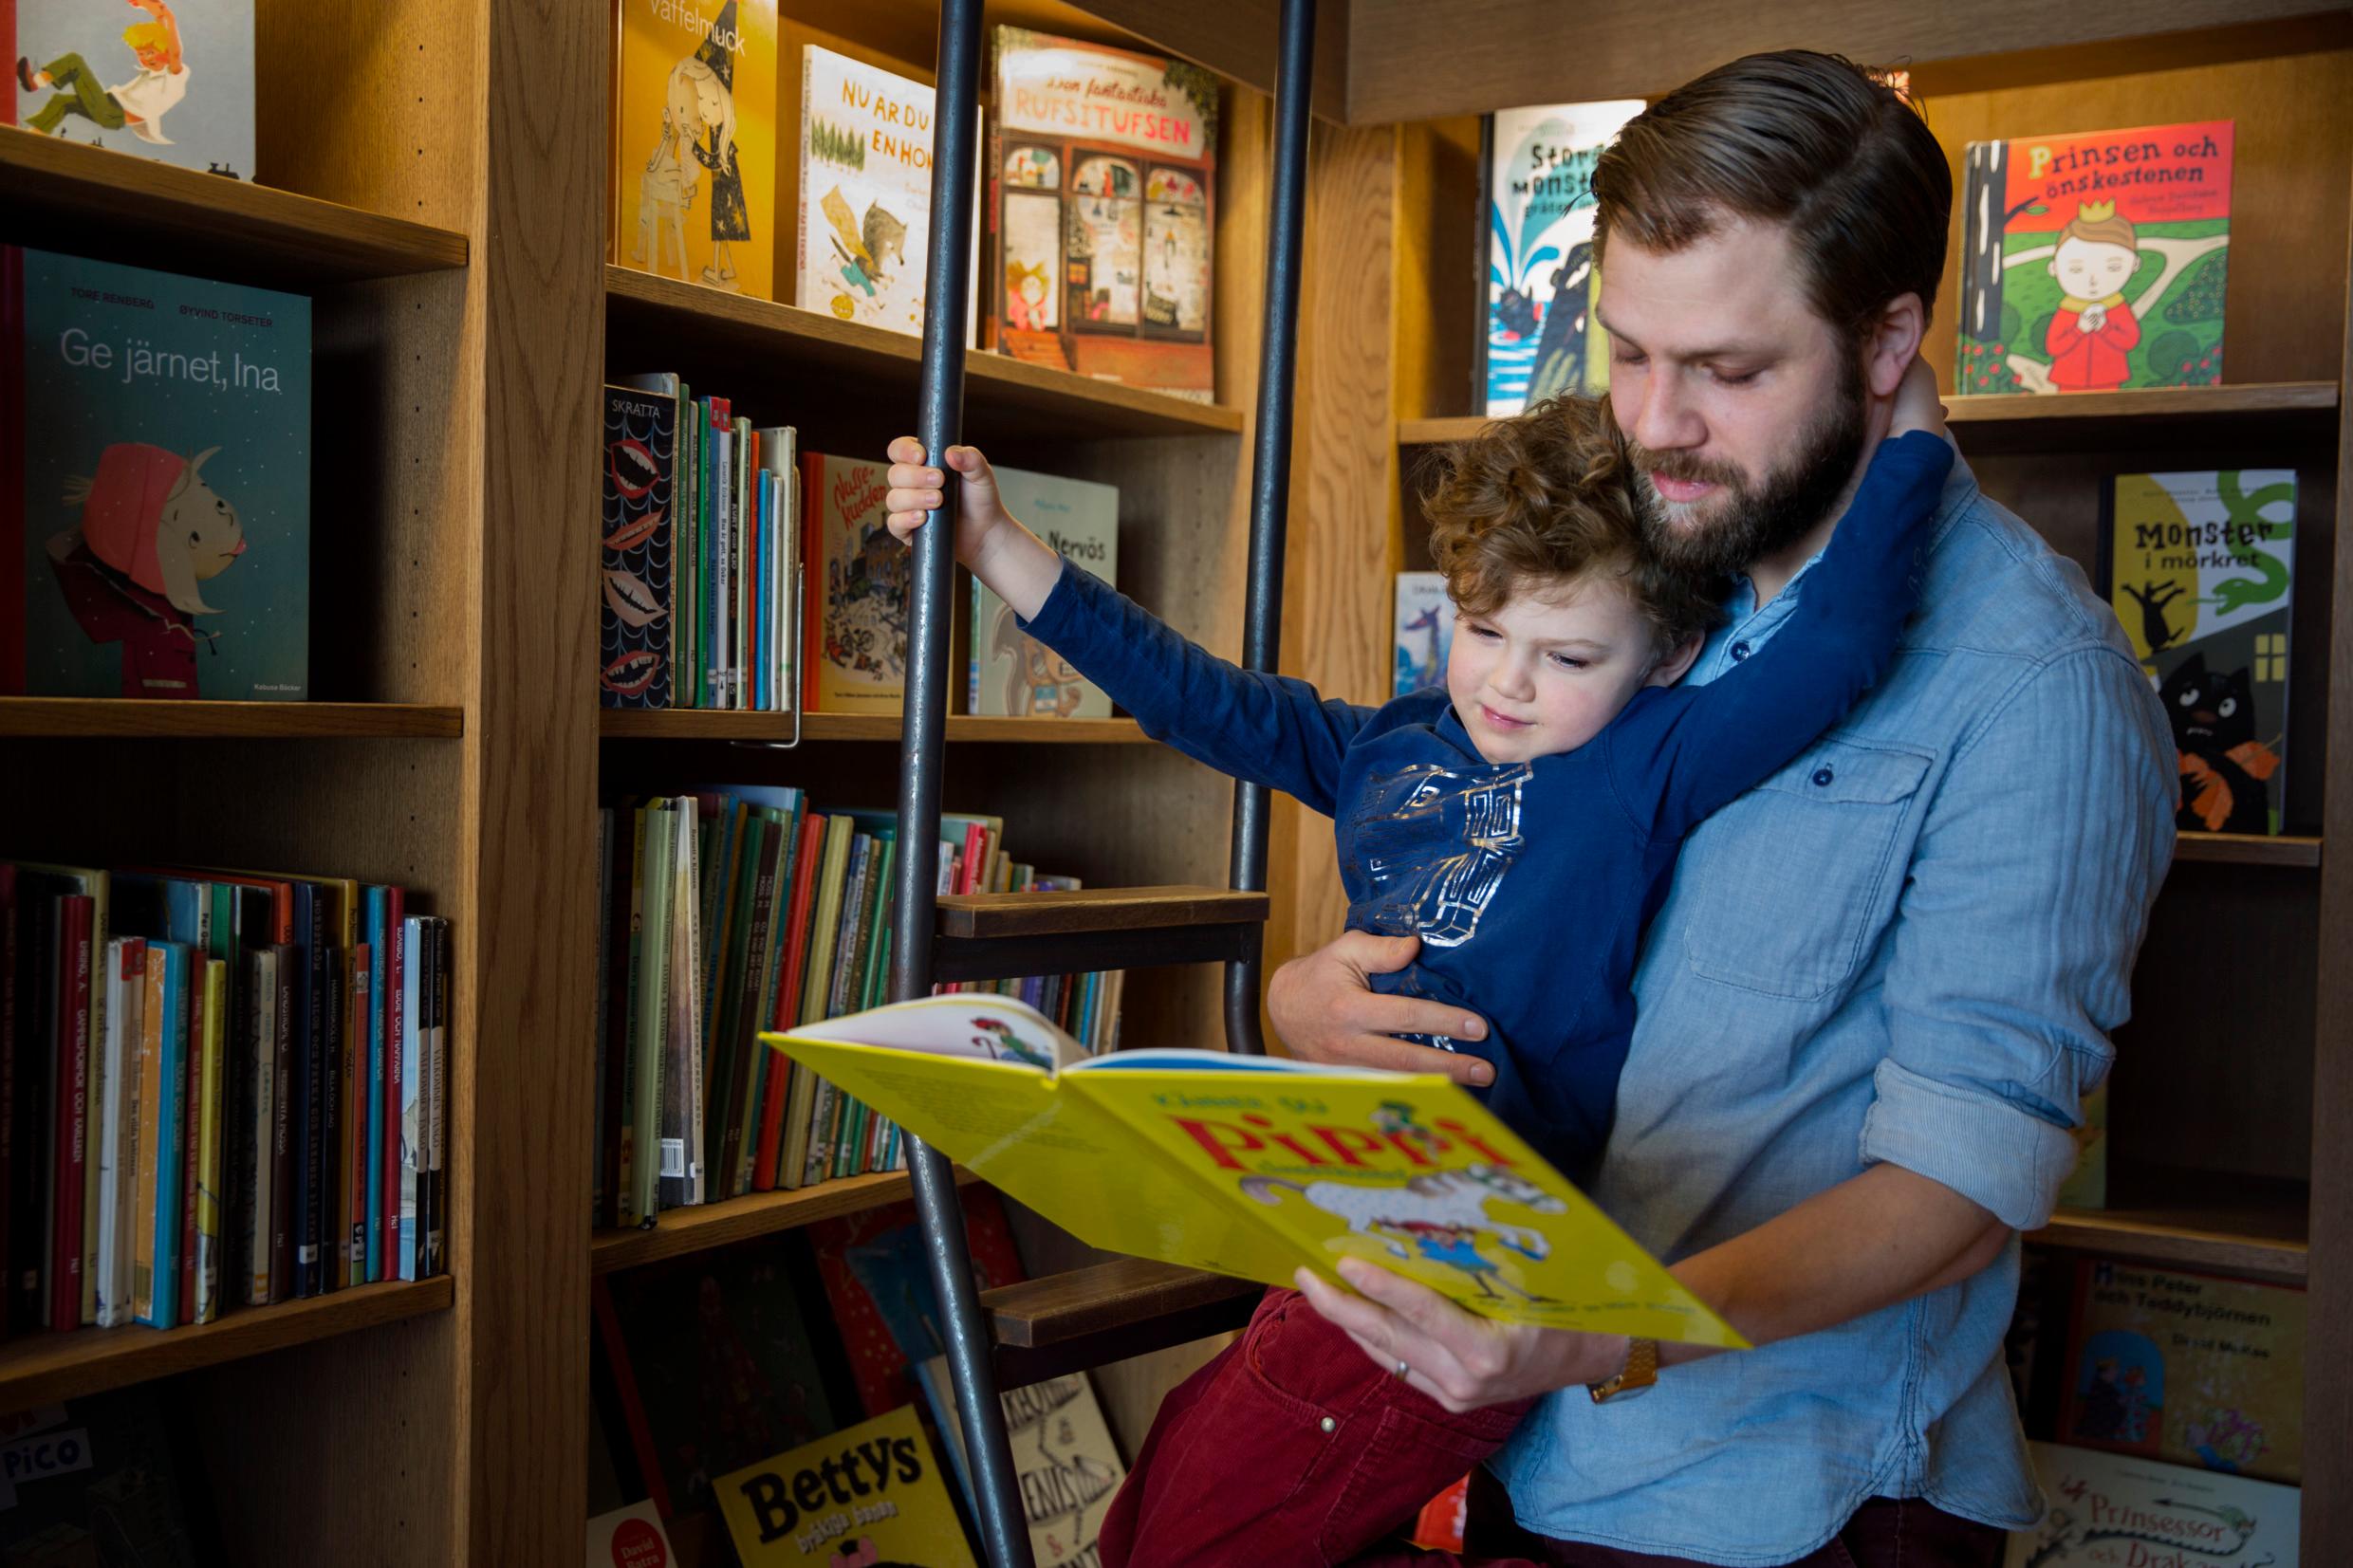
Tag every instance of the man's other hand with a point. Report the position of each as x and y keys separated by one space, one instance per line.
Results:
x=1326 y=1010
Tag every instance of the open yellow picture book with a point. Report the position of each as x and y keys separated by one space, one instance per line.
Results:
x=1252 y=1166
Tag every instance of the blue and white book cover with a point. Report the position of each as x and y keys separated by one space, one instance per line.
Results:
x=154 y=483
x=1538 y=335
x=1425 y=631
x=170 y=80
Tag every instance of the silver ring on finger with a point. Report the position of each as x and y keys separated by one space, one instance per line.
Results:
x=1401 y=1370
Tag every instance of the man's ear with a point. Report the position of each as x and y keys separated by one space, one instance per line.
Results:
x=1670 y=669
x=1893 y=343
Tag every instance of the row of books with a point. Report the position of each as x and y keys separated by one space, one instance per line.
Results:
x=706 y=522
x=1099 y=204
x=729 y=911
x=701 y=553
x=221 y=1089
x=2093 y=261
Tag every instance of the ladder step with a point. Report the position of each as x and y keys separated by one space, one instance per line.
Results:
x=1005 y=936
x=1108 y=1312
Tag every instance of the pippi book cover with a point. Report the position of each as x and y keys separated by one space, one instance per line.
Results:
x=694 y=142
x=1103 y=212
x=1252 y=1167
x=2187 y=1368
x=2095 y=262
x=154 y=483
x=170 y=80
x=854 y=629
x=2201 y=569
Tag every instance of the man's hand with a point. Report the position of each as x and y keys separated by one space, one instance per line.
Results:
x=1463 y=1361
x=1325 y=1012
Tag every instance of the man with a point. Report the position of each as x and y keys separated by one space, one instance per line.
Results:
x=1869 y=1009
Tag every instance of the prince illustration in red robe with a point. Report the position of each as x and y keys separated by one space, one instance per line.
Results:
x=2094 y=331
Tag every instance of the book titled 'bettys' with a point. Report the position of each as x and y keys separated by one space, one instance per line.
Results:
x=2096 y=262
x=869 y=1495
x=154 y=483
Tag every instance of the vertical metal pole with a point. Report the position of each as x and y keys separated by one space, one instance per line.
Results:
x=1004 y=1527
x=1270 y=469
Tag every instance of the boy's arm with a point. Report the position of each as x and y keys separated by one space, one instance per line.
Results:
x=1270 y=729
x=1691 y=749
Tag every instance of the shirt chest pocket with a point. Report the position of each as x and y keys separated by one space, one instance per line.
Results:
x=1785 y=887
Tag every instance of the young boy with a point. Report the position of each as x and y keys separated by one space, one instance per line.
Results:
x=1522 y=822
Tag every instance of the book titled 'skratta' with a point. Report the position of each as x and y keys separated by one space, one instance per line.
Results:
x=866 y=1497
x=154 y=483
x=2097 y=261
x=694 y=142
x=1103 y=212
x=1254 y=1166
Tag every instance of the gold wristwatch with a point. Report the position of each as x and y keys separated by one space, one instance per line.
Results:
x=1635 y=1378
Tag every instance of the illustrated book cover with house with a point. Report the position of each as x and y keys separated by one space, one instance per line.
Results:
x=1538 y=335
x=2095 y=262
x=2189 y=1367
x=1013 y=674
x=694 y=142
x=1103 y=212
x=1252 y=1167
x=2200 y=569
x=2108 y=1510
x=854 y=652
x=171 y=83
x=154 y=483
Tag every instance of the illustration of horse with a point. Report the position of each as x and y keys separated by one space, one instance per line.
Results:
x=1443 y=1215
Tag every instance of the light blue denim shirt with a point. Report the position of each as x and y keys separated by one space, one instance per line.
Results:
x=1909 y=946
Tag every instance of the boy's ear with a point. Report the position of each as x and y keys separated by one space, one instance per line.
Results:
x=1671 y=668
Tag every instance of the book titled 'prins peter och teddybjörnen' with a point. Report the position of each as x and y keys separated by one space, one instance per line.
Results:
x=2096 y=262
x=154 y=483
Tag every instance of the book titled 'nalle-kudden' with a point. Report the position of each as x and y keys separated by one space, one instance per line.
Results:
x=154 y=483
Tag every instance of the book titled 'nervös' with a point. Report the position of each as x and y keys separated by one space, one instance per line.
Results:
x=2095 y=262
x=154 y=483
x=1014 y=675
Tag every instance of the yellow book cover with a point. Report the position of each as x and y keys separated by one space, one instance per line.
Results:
x=207 y=1240
x=868 y=1494
x=694 y=142
x=1254 y=1166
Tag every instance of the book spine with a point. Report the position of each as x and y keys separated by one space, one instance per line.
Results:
x=411 y=1083
x=28 y=1219
x=211 y=1143
x=760 y=1064
x=285 y=1122
x=372 y=1173
x=256 y=1156
x=439 y=1146
x=743 y=1023
x=785 y=1009
x=155 y=1278
x=190 y=1096
x=118 y=1148
x=653 y=1007
x=625 y=1194
x=360 y=992
x=73 y=1076
x=391 y=967
x=8 y=998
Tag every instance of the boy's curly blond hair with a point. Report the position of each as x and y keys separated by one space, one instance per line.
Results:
x=1545 y=499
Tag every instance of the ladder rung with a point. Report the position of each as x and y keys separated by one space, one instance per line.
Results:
x=1005 y=936
x=996 y=915
x=1108 y=1312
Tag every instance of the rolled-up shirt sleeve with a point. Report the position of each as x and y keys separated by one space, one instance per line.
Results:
x=2027 y=896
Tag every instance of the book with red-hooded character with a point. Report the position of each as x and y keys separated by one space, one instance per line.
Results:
x=154 y=483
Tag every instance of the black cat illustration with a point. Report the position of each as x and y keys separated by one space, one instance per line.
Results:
x=2155 y=634
x=2223 y=766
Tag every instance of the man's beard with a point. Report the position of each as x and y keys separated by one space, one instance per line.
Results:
x=1747 y=524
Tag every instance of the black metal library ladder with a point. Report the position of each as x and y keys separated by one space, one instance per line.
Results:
x=1126 y=1308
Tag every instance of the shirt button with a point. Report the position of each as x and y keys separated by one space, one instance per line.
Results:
x=1822 y=777
x=1327 y=1424
x=1740 y=651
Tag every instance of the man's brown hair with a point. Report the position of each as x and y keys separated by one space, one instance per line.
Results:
x=1809 y=140
x=1537 y=502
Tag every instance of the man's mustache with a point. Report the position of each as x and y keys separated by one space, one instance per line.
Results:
x=1687 y=466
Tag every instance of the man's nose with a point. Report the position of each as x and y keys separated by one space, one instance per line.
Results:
x=1665 y=421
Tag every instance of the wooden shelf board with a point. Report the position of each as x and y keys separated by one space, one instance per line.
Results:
x=133 y=716
x=2012 y=418
x=41 y=1369
x=2247 y=849
x=1007 y=395
x=701 y=1227
x=986 y=915
x=696 y=724
x=1104 y=1298
x=2232 y=1224
x=121 y=206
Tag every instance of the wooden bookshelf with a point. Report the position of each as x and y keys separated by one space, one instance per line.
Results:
x=1010 y=915
x=1009 y=397
x=686 y=724
x=2022 y=420
x=702 y=1226
x=2244 y=849
x=2194 y=1220
x=120 y=207
x=41 y=1369
x=308 y=721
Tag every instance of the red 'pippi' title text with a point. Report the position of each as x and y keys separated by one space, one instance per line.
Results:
x=1341 y=1147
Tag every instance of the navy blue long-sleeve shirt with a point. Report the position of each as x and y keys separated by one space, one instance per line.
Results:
x=1530 y=883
